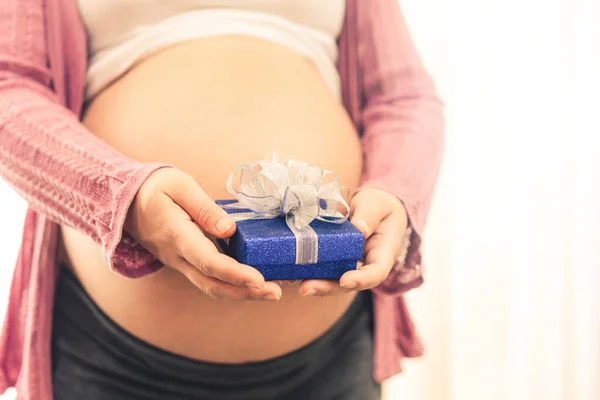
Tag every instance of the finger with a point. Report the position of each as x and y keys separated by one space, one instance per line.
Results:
x=217 y=289
x=200 y=252
x=321 y=287
x=366 y=214
x=379 y=260
x=367 y=277
x=202 y=209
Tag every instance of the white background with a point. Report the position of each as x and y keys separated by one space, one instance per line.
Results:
x=510 y=309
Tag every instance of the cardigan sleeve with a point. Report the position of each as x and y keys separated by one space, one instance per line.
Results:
x=48 y=156
x=403 y=127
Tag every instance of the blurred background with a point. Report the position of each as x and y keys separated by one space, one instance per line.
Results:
x=511 y=305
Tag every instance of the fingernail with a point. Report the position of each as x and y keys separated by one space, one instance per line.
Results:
x=224 y=224
x=272 y=297
x=310 y=292
x=362 y=226
x=349 y=285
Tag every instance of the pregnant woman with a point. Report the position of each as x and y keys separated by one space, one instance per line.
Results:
x=120 y=122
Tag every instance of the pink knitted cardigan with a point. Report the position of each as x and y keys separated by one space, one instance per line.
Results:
x=69 y=176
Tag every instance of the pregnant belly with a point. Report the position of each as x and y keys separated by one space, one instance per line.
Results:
x=206 y=106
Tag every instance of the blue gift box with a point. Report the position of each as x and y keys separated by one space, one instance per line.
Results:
x=270 y=246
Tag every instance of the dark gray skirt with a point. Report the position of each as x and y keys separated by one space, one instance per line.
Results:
x=95 y=359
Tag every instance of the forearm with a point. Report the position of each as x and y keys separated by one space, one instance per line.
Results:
x=60 y=168
x=403 y=153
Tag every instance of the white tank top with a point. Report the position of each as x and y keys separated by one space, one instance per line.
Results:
x=124 y=32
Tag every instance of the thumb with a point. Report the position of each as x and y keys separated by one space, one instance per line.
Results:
x=366 y=214
x=203 y=210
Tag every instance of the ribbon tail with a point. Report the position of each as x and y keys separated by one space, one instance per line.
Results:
x=307 y=242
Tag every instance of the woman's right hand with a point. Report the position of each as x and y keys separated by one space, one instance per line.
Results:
x=168 y=217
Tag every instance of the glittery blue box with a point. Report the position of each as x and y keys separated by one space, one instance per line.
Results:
x=270 y=247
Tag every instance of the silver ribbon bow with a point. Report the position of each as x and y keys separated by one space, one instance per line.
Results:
x=294 y=189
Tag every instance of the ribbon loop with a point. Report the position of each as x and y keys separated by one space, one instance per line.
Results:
x=301 y=204
x=298 y=191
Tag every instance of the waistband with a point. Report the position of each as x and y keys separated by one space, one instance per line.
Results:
x=86 y=329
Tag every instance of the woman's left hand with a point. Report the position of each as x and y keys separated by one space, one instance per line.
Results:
x=381 y=217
